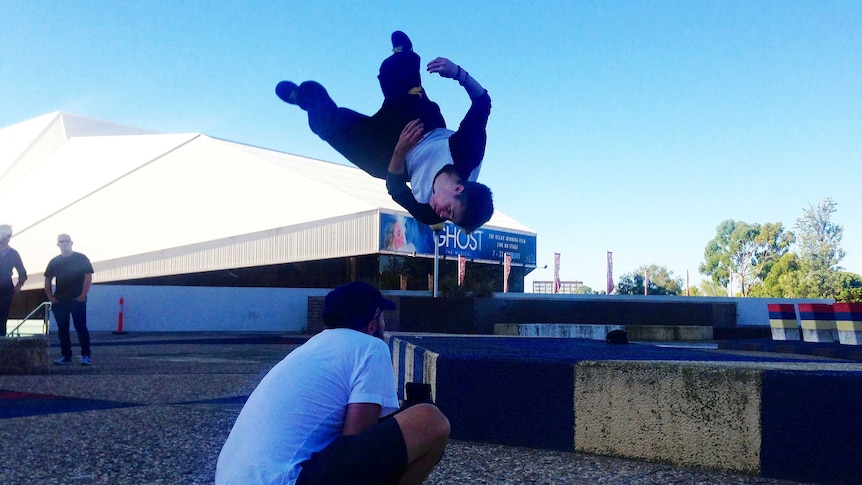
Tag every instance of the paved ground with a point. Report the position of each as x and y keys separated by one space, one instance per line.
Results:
x=156 y=408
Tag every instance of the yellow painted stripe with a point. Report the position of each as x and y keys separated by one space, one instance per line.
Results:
x=849 y=325
x=778 y=323
x=818 y=324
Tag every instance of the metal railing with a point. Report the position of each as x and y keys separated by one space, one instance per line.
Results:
x=46 y=322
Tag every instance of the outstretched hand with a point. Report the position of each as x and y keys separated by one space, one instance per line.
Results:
x=444 y=67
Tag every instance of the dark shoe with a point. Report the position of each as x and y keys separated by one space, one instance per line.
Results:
x=85 y=360
x=63 y=361
x=400 y=42
x=287 y=90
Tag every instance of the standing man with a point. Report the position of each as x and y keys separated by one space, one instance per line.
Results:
x=74 y=275
x=9 y=260
x=407 y=141
x=324 y=414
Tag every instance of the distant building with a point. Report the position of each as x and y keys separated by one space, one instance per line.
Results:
x=188 y=209
x=568 y=287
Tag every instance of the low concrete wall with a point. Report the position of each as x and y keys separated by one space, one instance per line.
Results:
x=23 y=355
x=689 y=414
x=644 y=333
x=777 y=419
x=759 y=414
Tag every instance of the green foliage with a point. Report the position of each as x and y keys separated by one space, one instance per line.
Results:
x=584 y=290
x=759 y=256
x=744 y=252
x=661 y=282
x=710 y=288
x=851 y=288
x=786 y=279
x=820 y=248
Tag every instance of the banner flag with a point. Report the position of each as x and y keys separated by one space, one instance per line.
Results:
x=462 y=269
x=556 y=273
x=507 y=268
x=610 y=272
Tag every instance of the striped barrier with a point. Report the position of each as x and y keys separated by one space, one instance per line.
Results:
x=758 y=414
x=782 y=321
x=848 y=320
x=818 y=322
x=413 y=364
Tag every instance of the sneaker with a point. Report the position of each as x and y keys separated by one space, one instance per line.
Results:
x=287 y=90
x=400 y=42
x=85 y=360
x=63 y=361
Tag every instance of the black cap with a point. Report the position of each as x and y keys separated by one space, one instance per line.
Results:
x=353 y=305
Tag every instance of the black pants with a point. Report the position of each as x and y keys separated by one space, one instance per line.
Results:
x=368 y=141
x=6 y=295
x=77 y=312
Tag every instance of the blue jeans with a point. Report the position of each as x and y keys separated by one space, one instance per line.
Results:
x=77 y=310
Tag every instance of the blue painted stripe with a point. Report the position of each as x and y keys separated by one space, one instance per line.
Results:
x=816 y=315
x=783 y=315
x=849 y=316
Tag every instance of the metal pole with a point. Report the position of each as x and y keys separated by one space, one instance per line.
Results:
x=436 y=262
x=437 y=228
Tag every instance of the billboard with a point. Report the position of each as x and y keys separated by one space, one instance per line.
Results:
x=403 y=234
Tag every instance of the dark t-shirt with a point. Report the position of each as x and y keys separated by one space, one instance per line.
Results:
x=9 y=261
x=69 y=271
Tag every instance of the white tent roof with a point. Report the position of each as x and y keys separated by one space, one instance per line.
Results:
x=143 y=204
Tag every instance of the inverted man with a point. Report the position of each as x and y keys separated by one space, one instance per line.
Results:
x=407 y=140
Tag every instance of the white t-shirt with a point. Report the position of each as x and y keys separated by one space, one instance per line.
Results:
x=427 y=158
x=299 y=406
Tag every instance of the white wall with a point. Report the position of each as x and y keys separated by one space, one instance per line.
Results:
x=210 y=309
x=197 y=309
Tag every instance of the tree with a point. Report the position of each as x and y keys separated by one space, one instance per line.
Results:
x=851 y=288
x=744 y=252
x=661 y=282
x=820 y=247
x=709 y=287
x=786 y=279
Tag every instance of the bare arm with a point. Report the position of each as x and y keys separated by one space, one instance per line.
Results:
x=359 y=417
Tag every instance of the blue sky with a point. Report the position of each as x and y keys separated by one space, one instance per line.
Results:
x=632 y=127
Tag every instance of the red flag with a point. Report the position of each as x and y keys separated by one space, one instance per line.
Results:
x=610 y=272
x=462 y=269
x=556 y=273
x=507 y=268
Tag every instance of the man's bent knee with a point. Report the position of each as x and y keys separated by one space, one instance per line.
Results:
x=423 y=422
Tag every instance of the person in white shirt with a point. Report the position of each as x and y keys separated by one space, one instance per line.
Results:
x=328 y=413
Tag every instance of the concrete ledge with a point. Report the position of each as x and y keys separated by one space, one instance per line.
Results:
x=24 y=355
x=688 y=414
x=646 y=333
x=771 y=419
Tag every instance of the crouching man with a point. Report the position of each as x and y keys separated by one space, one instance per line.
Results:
x=326 y=414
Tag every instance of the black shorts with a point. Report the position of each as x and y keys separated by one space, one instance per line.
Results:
x=377 y=456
